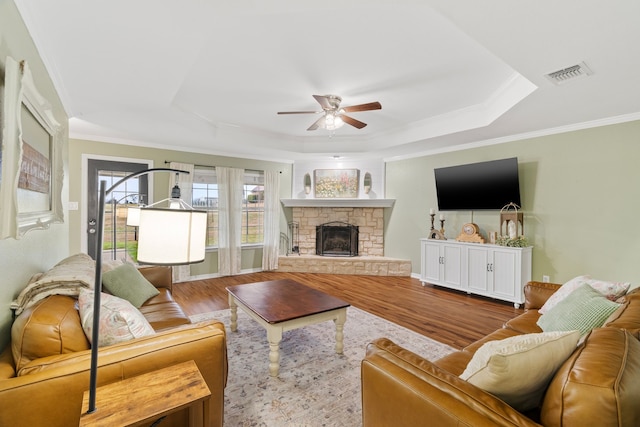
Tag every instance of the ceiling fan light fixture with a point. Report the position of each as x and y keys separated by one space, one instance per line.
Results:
x=334 y=116
x=332 y=121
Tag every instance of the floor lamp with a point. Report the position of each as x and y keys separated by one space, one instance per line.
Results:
x=170 y=236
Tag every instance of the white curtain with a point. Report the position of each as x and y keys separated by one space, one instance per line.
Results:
x=230 y=186
x=271 y=220
x=182 y=273
x=11 y=154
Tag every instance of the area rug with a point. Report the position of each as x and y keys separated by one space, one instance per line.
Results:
x=316 y=386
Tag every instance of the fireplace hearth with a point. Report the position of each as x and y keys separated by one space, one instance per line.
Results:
x=337 y=238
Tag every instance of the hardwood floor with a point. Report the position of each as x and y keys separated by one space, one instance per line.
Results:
x=450 y=317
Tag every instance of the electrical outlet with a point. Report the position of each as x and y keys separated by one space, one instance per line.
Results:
x=545 y=279
x=73 y=206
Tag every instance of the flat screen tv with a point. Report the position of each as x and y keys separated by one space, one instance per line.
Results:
x=478 y=186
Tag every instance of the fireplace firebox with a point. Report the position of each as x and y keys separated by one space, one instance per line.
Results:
x=337 y=239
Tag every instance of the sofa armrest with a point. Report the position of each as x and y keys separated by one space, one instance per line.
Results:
x=7 y=367
x=537 y=293
x=160 y=276
x=400 y=388
x=57 y=383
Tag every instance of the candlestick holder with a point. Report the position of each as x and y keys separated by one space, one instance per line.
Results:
x=436 y=234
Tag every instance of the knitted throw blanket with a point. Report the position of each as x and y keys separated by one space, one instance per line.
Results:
x=65 y=278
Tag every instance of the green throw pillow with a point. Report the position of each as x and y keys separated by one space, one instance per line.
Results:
x=582 y=310
x=128 y=283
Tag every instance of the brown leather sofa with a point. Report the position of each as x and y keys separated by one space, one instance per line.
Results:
x=599 y=385
x=48 y=390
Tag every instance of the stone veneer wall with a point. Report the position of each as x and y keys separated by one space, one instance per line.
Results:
x=370 y=222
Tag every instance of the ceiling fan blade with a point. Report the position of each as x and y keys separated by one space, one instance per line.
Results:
x=353 y=122
x=318 y=123
x=323 y=101
x=299 y=112
x=363 y=107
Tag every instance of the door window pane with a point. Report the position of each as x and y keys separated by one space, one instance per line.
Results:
x=120 y=240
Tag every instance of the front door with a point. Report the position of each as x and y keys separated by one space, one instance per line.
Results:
x=119 y=240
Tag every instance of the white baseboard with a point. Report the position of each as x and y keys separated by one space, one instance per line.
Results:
x=217 y=275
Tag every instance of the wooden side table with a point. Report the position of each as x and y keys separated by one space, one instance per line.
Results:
x=140 y=400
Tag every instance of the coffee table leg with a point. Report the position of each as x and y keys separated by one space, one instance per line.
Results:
x=274 y=335
x=340 y=320
x=234 y=313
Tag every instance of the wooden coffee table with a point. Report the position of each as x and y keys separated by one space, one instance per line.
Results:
x=283 y=305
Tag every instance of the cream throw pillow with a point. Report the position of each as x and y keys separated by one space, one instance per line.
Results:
x=518 y=369
x=119 y=319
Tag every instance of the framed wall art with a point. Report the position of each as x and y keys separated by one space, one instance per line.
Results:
x=31 y=166
x=336 y=183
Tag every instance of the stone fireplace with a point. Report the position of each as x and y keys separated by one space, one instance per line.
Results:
x=370 y=223
x=366 y=215
x=337 y=239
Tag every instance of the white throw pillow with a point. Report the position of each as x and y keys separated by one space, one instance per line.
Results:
x=611 y=290
x=119 y=319
x=518 y=369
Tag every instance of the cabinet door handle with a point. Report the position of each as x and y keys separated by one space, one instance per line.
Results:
x=489 y=267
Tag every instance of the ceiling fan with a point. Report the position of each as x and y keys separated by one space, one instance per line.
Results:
x=333 y=116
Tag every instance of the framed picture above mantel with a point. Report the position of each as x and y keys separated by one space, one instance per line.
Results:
x=336 y=183
x=371 y=173
x=31 y=158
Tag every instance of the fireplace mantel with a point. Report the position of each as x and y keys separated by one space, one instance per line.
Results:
x=337 y=203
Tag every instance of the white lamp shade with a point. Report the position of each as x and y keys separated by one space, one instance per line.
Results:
x=171 y=236
x=133 y=216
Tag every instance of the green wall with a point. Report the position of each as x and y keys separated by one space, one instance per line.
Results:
x=580 y=195
x=37 y=250
x=251 y=258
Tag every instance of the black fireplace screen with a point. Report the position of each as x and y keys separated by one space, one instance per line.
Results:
x=337 y=239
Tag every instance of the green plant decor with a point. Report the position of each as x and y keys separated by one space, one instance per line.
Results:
x=518 y=242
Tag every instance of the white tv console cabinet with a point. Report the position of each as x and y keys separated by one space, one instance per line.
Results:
x=494 y=271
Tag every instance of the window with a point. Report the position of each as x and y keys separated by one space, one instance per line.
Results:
x=253 y=208
x=205 y=196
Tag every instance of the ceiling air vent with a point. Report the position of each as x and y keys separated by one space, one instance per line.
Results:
x=570 y=73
